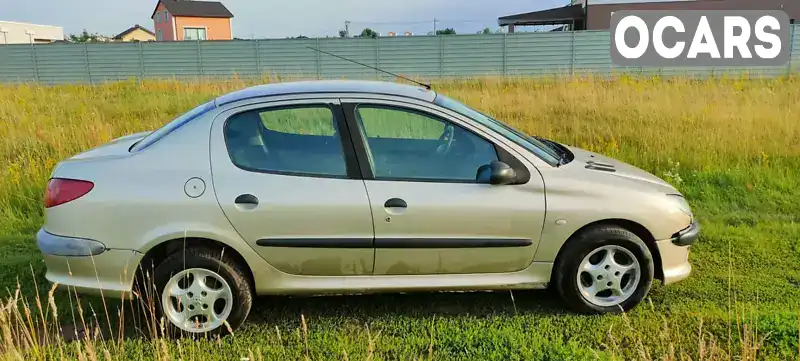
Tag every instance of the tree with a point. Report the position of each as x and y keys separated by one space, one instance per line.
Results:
x=85 y=37
x=342 y=33
x=488 y=30
x=448 y=31
x=368 y=33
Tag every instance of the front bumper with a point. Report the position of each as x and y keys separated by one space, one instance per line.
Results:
x=687 y=236
x=81 y=265
x=674 y=253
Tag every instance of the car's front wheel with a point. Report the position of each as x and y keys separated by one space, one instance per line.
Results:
x=604 y=269
x=202 y=292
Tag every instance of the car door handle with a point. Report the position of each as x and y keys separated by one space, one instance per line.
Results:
x=247 y=199
x=395 y=203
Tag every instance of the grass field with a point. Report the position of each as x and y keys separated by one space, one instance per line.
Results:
x=732 y=146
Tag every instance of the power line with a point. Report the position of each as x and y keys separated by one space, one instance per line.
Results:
x=462 y=21
x=437 y=23
x=390 y=22
x=416 y=22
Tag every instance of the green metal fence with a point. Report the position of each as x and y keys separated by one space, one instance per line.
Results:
x=520 y=54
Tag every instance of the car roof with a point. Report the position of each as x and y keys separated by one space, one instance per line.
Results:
x=328 y=86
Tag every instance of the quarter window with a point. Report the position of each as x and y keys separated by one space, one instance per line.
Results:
x=172 y=126
x=411 y=145
x=300 y=140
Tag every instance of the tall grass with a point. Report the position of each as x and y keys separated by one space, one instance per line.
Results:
x=32 y=330
x=701 y=124
x=732 y=145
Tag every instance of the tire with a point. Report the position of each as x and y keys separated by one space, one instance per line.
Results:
x=218 y=270
x=599 y=242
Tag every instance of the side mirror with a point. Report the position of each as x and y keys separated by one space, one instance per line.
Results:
x=496 y=173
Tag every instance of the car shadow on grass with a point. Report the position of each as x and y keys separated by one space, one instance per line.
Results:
x=279 y=309
x=286 y=311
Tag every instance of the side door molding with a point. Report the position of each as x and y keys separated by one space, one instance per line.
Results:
x=316 y=242
x=395 y=243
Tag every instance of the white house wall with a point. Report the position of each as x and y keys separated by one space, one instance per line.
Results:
x=17 y=33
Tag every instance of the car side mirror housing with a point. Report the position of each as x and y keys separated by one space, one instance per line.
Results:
x=496 y=173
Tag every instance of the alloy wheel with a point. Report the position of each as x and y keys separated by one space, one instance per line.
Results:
x=197 y=300
x=609 y=275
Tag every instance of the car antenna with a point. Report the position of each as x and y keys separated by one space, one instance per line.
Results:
x=427 y=86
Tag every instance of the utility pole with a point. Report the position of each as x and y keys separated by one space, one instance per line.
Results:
x=434 y=25
x=347 y=28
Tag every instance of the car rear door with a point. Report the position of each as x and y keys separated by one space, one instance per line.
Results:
x=430 y=214
x=285 y=176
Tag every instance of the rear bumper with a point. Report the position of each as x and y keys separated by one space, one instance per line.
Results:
x=79 y=264
x=53 y=245
x=674 y=253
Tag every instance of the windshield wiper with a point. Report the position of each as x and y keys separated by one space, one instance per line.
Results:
x=563 y=159
x=562 y=154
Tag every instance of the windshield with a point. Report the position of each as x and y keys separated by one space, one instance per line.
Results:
x=532 y=144
x=172 y=126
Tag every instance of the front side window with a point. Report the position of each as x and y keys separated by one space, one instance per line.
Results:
x=531 y=144
x=300 y=140
x=159 y=35
x=194 y=34
x=410 y=145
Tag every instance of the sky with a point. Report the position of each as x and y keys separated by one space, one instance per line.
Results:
x=280 y=19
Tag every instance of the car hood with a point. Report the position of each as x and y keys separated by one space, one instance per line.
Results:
x=594 y=162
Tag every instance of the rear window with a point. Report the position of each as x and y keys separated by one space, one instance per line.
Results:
x=172 y=126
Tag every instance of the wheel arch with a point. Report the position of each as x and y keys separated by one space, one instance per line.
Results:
x=159 y=252
x=632 y=226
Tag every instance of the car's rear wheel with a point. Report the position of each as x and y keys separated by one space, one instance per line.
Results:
x=201 y=292
x=604 y=269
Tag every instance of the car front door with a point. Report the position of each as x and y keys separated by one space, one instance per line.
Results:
x=430 y=214
x=286 y=177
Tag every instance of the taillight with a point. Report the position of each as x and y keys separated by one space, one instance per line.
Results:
x=60 y=191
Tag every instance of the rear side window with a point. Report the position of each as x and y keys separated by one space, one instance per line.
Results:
x=172 y=126
x=299 y=140
x=301 y=121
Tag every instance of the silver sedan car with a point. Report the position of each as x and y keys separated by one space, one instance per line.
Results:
x=326 y=187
